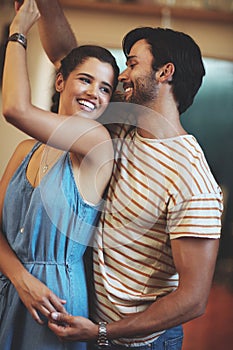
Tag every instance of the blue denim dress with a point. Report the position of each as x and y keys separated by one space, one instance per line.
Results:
x=48 y=227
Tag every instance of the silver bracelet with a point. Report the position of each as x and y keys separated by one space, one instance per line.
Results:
x=102 y=340
x=19 y=38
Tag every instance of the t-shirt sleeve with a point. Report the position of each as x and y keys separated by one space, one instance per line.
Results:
x=198 y=216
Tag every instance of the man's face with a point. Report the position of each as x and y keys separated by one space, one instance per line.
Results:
x=138 y=78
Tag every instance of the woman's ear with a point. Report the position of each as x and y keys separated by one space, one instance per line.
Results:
x=60 y=83
x=166 y=72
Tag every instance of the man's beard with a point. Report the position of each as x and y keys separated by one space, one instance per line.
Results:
x=145 y=90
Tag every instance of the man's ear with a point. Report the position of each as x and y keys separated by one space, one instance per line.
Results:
x=166 y=72
x=60 y=83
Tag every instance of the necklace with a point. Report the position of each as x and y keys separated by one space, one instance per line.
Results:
x=35 y=178
x=45 y=160
x=45 y=168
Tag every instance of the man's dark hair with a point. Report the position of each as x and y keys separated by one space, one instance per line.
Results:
x=175 y=47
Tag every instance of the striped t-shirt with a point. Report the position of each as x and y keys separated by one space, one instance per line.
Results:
x=160 y=190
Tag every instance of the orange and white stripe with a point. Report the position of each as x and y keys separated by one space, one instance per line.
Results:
x=160 y=190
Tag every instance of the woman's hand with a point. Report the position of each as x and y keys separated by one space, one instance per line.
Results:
x=38 y=298
x=27 y=14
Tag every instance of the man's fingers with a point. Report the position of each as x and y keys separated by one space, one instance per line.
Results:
x=59 y=324
x=61 y=318
x=56 y=316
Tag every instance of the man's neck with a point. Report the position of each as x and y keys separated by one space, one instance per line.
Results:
x=158 y=124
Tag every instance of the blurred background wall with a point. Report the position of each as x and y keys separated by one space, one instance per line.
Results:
x=105 y=23
x=210 y=119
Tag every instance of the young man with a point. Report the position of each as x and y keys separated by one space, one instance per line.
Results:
x=157 y=241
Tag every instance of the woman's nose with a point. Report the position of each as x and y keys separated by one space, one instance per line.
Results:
x=92 y=90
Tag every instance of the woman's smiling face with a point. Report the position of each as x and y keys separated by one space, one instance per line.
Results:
x=87 y=90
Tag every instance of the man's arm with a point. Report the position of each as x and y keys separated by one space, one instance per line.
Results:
x=56 y=34
x=195 y=260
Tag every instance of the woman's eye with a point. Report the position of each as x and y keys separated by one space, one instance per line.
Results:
x=85 y=80
x=106 y=90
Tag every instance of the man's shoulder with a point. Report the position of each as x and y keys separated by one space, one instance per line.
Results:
x=118 y=130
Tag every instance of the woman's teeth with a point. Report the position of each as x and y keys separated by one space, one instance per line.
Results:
x=87 y=104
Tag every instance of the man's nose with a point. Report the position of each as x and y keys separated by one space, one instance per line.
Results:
x=123 y=76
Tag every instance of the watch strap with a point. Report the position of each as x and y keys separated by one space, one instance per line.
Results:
x=20 y=38
x=102 y=340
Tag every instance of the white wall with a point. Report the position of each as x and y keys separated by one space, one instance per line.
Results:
x=213 y=37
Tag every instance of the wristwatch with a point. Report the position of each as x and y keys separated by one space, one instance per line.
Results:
x=20 y=38
x=102 y=340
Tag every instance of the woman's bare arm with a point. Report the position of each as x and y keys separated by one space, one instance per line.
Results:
x=76 y=134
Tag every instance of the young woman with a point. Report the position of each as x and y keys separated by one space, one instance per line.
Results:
x=50 y=198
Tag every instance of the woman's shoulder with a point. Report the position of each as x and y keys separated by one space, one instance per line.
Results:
x=21 y=151
x=25 y=146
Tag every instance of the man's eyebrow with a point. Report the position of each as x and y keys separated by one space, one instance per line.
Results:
x=130 y=58
x=91 y=77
